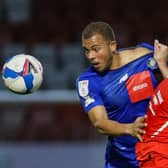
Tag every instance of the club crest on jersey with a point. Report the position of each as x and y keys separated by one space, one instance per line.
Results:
x=83 y=88
x=151 y=63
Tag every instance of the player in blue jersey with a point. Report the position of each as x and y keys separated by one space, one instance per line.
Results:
x=115 y=90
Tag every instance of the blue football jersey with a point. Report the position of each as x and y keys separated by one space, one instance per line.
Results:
x=125 y=93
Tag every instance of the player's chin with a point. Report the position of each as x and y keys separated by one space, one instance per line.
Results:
x=102 y=69
x=99 y=68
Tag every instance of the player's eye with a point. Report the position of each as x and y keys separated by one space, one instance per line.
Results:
x=96 y=49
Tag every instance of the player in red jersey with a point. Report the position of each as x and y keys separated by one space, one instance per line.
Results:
x=153 y=151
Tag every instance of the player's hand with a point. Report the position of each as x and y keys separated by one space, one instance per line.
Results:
x=160 y=52
x=136 y=128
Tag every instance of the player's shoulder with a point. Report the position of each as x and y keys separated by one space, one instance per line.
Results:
x=136 y=52
x=90 y=78
x=89 y=73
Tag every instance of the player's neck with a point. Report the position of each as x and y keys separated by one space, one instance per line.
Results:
x=116 y=61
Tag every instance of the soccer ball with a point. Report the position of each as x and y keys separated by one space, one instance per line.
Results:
x=22 y=74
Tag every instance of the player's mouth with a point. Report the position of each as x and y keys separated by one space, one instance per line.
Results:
x=96 y=65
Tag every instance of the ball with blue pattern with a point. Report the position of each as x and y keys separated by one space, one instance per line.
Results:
x=22 y=74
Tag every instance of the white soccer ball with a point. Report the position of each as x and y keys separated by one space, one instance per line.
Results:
x=22 y=74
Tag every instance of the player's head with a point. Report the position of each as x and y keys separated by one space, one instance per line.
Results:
x=98 y=40
x=101 y=28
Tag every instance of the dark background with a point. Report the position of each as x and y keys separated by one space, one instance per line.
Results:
x=51 y=31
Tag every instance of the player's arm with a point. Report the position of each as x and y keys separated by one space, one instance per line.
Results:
x=161 y=57
x=100 y=121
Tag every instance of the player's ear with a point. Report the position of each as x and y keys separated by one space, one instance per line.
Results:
x=113 y=46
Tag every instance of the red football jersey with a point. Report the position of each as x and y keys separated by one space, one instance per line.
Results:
x=157 y=115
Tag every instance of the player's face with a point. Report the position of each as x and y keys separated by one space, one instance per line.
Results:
x=99 y=51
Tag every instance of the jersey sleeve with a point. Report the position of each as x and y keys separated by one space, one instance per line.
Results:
x=88 y=90
x=146 y=45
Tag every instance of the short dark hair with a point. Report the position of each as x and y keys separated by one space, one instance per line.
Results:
x=98 y=28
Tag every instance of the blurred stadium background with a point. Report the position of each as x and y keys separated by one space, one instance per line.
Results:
x=49 y=128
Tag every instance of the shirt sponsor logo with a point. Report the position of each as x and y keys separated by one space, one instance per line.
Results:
x=140 y=86
x=83 y=88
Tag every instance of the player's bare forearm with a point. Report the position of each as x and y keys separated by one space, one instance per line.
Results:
x=163 y=69
x=113 y=128
x=161 y=56
x=98 y=117
x=109 y=127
